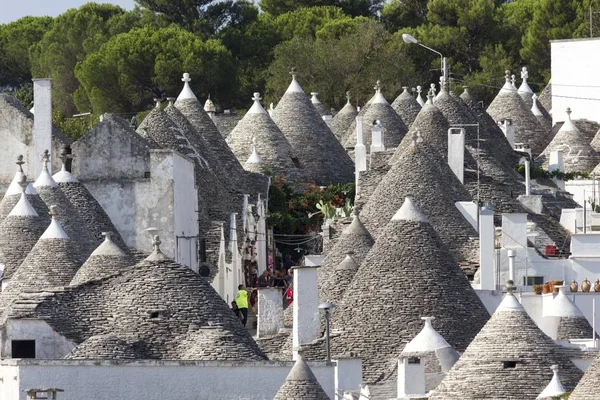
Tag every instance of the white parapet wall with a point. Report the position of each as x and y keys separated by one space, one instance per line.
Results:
x=152 y=379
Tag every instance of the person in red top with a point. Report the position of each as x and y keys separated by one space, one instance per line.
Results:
x=289 y=294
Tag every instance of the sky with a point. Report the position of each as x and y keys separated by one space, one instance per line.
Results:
x=11 y=10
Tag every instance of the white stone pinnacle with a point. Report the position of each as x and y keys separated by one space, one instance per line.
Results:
x=108 y=247
x=426 y=340
x=534 y=107
x=14 y=187
x=254 y=158
x=409 y=212
x=314 y=99
x=554 y=388
x=568 y=126
x=186 y=92
x=55 y=230
x=23 y=208
x=256 y=108
x=510 y=303
x=294 y=87
x=63 y=176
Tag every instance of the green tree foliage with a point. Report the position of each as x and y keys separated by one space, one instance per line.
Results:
x=552 y=19
x=333 y=66
x=350 y=7
x=74 y=35
x=306 y=21
x=15 y=40
x=134 y=67
x=398 y=14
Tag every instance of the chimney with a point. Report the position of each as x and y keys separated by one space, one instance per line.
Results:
x=42 y=121
x=307 y=323
x=270 y=311
x=509 y=131
x=348 y=374
x=511 y=265
x=486 y=248
x=527 y=177
x=456 y=152
x=411 y=378
x=360 y=151
x=377 y=137
x=557 y=163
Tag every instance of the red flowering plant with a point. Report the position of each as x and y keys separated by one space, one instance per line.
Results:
x=295 y=209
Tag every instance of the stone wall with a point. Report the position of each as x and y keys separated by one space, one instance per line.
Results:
x=153 y=380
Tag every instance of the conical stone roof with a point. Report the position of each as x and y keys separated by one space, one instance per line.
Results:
x=70 y=219
x=510 y=358
x=334 y=288
x=546 y=96
x=578 y=154
x=414 y=275
x=509 y=105
x=258 y=129
x=213 y=141
x=19 y=232
x=354 y=238
x=524 y=90
x=88 y=208
x=321 y=109
x=343 y=119
x=587 y=388
x=406 y=106
x=363 y=110
x=107 y=347
x=491 y=136
x=13 y=195
x=301 y=384
x=52 y=262
x=394 y=128
x=158 y=301
x=434 y=188
x=572 y=323
x=541 y=114
x=108 y=259
x=317 y=149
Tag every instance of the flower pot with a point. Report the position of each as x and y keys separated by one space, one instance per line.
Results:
x=597 y=286
x=586 y=286
x=538 y=289
x=574 y=286
x=546 y=288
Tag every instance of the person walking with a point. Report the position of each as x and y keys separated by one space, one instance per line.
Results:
x=265 y=280
x=241 y=299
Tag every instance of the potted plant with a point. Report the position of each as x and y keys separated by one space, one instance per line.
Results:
x=546 y=288
x=538 y=289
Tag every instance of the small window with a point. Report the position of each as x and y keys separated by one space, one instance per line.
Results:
x=154 y=314
x=23 y=348
x=147 y=174
x=296 y=162
x=510 y=364
x=414 y=360
x=533 y=280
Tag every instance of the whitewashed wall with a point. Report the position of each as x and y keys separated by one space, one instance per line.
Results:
x=152 y=380
x=48 y=343
x=575 y=78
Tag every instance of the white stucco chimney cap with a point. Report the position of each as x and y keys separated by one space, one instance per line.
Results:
x=426 y=340
x=14 y=187
x=55 y=230
x=257 y=108
x=409 y=212
x=554 y=388
x=510 y=302
x=107 y=247
x=534 y=107
x=254 y=158
x=64 y=176
x=294 y=86
x=186 y=92
x=23 y=207
x=568 y=126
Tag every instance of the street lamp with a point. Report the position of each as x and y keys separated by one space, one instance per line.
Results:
x=327 y=307
x=410 y=39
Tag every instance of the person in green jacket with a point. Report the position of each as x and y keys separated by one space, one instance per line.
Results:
x=241 y=299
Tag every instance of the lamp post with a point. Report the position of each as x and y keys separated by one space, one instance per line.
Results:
x=410 y=39
x=327 y=307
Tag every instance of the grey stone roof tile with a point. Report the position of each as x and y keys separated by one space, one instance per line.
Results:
x=301 y=384
x=257 y=128
x=509 y=358
x=406 y=106
x=415 y=165
x=587 y=388
x=317 y=149
x=160 y=303
x=394 y=128
x=578 y=154
x=509 y=105
x=546 y=96
x=408 y=273
x=342 y=120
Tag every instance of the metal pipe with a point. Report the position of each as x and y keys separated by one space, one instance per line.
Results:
x=511 y=265
x=327 y=337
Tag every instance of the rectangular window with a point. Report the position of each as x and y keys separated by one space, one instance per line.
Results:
x=510 y=364
x=23 y=348
x=533 y=280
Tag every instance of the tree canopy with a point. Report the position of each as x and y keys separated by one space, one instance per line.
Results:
x=102 y=58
